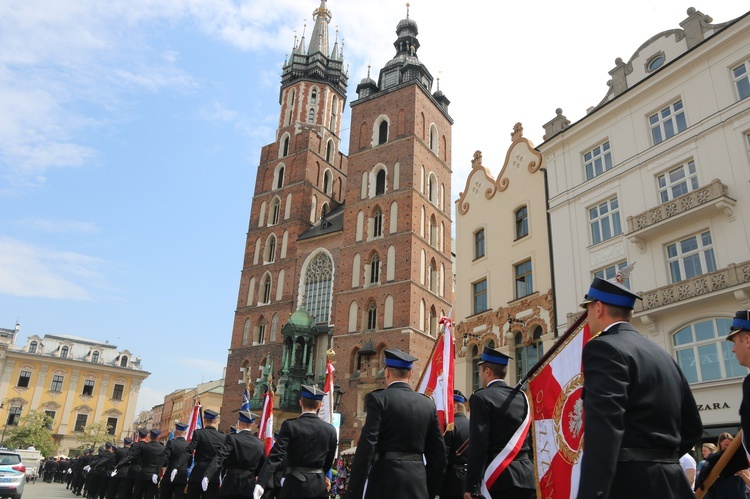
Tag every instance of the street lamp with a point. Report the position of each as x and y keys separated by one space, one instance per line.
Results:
x=337 y=393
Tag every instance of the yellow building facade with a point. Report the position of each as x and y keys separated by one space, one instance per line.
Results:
x=76 y=381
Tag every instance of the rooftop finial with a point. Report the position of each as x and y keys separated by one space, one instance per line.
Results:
x=368 y=70
x=407 y=9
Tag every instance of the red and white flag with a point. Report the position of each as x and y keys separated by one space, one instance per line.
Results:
x=557 y=411
x=195 y=422
x=326 y=408
x=437 y=379
x=265 y=429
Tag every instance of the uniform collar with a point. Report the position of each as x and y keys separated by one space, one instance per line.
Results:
x=495 y=381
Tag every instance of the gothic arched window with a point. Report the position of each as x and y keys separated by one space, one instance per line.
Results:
x=318 y=287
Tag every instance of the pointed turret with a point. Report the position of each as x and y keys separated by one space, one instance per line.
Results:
x=319 y=39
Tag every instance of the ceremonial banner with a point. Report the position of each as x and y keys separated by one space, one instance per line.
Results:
x=195 y=422
x=265 y=429
x=437 y=378
x=557 y=411
x=326 y=407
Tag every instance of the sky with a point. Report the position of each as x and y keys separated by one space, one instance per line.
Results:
x=130 y=134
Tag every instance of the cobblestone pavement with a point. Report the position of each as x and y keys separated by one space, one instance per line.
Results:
x=41 y=490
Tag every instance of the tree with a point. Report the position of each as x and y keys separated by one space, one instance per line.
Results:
x=94 y=435
x=33 y=429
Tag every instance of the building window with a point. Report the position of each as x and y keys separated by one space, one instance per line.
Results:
x=81 y=422
x=124 y=361
x=476 y=356
x=528 y=356
x=609 y=273
x=327 y=177
x=117 y=391
x=64 y=353
x=432 y=188
x=524 y=280
x=479 y=244
x=522 y=222
x=261 y=331
x=273 y=215
x=372 y=317
x=266 y=298
x=598 y=160
x=51 y=415
x=655 y=62
x=741 y=82
x=329 y=152
x=88 y=387
x=375 y=269
x=95 y=357
x=383 y=132
x=319 y=287
x=285 y=148
x=677 y=182
x=604 y=220
x=32 y=347
x=380 y=183
x=280 y=178
x=377 y=223
x=479 y=291
x=14 y=415
x=270 y=255
x=57 y=383
x=313 y=96
x=667 y=122
x=310 y=116
x=691 y=257
x=703 y=353
x=111 y=425
x=23 y=379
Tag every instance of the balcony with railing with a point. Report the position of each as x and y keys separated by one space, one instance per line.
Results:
x=704 y=201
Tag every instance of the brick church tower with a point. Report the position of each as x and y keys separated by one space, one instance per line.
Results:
x=345 y=252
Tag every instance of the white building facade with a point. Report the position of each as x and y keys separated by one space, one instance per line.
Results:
x=657 y=175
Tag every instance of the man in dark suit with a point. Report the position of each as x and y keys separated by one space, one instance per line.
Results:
x=206 y=442
x=498 y=428
x=454 y=484
x=401 y=432
x=151 y=457
x=242 y=456
x=309 y=445
x=121 y=475
x=639 y=412
x=176 y=462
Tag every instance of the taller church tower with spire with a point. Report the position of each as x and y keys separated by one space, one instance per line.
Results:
x=345 y=253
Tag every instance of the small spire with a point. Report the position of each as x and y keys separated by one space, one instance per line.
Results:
x=407 y=9
x=368 y=70
x=438 y=84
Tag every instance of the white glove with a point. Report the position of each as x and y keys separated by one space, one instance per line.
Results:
x=257 y=491
x=172 y=475
x=155 y=478
x=114 y=472
x=204 y=483
x=87 y=468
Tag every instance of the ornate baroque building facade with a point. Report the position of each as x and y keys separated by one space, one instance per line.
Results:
x=344 y=251
x=657 y=175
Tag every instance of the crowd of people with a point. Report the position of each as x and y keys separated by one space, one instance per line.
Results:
x=640 y=420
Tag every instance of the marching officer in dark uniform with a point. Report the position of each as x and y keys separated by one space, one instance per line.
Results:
x=206 y=442
x=309 y=445
x=151 y=456
x=133 y=465
x=177 y=460
x=498 y=412
x=117 y=478
x=401 y=427
x=454 y=484
x=639 y=412
x=739 y=334
x=242 y=456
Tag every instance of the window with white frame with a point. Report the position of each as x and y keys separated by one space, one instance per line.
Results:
x=372 y=316
x=377 y=223
x=479 y=292
x=703 y=354
x=24 y=379
x=667 y=122
x=375 y=269
x=57 y=383
x=677 y=181
x=524 y=279
x=598 y=160
x=528 y=355
x=604 y=220
x=691 y=257
x=319 y=287
x=14 y=415
x=609 y=273
x=81 y=421
x=479 y=249
x=741 y=81
x=522 y=222
x=266 y=287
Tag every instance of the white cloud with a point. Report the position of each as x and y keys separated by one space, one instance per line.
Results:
x=33 y=271
x=148 y=398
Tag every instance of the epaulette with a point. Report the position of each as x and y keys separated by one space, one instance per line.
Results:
x=377 y=390
x=596 y=335
x=477 y=390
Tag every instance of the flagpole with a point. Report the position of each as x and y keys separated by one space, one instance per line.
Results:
x=720 y=465
x=559 y=343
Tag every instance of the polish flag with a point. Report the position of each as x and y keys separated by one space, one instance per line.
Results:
x=437 y=379
x=195 y=422
x=557 y=411
x=265 y=430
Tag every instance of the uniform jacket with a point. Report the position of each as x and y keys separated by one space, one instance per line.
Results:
x=206 y=443
x=496 y=413
x=306 y=442
x=134 y=470
x=634 y=397
x=242 y=456
x=120 y=454
x=455 y=474
x=151 y=456
x=398 y=420
x=175 y=457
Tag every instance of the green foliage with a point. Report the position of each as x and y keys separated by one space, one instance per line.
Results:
x=94 y=435
x=33 y=429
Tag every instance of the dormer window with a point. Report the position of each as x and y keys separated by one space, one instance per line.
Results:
x=655 y=62
x=64 y=352
x=95 y=357
x=124 y=361
x=32 y=347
